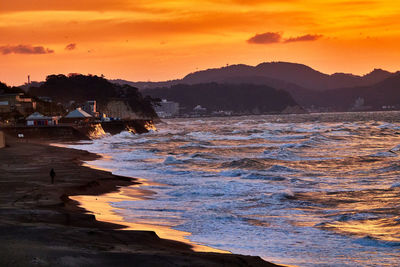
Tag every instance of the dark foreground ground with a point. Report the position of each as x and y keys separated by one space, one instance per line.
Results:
x=41 y=226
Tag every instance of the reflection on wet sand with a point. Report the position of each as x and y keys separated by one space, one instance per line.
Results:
x=101 y=208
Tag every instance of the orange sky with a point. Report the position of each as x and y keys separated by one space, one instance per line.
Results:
x=160 y=40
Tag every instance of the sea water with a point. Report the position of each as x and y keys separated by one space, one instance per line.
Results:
x=293 y=191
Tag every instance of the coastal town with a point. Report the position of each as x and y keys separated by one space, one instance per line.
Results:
x=20 y=104
x=26 y=114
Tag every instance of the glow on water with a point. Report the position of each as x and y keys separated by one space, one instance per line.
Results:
x=289 y=190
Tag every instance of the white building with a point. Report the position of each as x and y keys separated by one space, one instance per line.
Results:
x=167 y=109
x=199 y=110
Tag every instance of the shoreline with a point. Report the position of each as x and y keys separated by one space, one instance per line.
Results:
x=40 y=225
x=100 y=207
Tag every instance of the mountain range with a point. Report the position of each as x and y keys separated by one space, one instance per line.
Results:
x=308 y=87
x=382 y=94
x=281 y=75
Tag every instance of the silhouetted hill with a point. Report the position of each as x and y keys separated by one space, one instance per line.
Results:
x=146 y=85
x=384 y=93
x=5 y=89
x=282 y=75
x=239 y=98
x=81 y=88
x=377 y=75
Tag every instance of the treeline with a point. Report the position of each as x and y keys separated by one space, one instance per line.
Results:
x=5 y=89
x=81 y=88
x=239 y=98
x=384 y=93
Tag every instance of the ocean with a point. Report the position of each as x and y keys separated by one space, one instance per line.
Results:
x=307 y=190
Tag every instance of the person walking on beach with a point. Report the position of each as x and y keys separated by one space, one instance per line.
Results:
x=52 y=175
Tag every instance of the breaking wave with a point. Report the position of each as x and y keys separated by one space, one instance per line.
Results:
x=297 y=192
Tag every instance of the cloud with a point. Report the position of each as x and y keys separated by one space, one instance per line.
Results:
x=253 y=2
x=303 y=38
x=265 y=38
x=70 y=47
x=276 y=37
x=24 y=49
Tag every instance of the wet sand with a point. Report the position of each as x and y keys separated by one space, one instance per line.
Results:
x=40 y=224
x=100 y=207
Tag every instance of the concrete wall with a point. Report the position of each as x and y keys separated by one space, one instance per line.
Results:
x=47 y=132
x=76 y=132
x=2 y=140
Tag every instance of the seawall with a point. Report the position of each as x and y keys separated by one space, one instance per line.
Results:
x=77 y=132
x=45 y=132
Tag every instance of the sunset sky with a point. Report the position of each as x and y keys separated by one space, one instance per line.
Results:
x=161 y=40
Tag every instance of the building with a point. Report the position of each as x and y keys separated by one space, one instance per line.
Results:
x=37 y=119
x=46 y=99
x=199 y=110
x=4 y=107
x=2 y=140
x=167 y=109
x=222 y=113
x=17 y=102
x=76 y=116
x=90 y=107
x=359 y=105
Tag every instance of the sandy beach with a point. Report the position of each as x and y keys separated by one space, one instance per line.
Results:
x=41 y=224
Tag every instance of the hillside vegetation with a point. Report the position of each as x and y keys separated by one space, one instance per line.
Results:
x=81 y=88
x=239 y=98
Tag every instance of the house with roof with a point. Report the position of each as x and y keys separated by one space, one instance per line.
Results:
x=37 y=119
x=76 y=116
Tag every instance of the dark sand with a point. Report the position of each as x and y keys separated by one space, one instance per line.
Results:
x=41 y=226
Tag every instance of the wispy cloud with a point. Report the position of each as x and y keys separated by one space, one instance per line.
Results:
x=253 y=2
x=266 y=38
x=276 y=37
x=24 y=49
x=303 y=38
x=70 y=47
